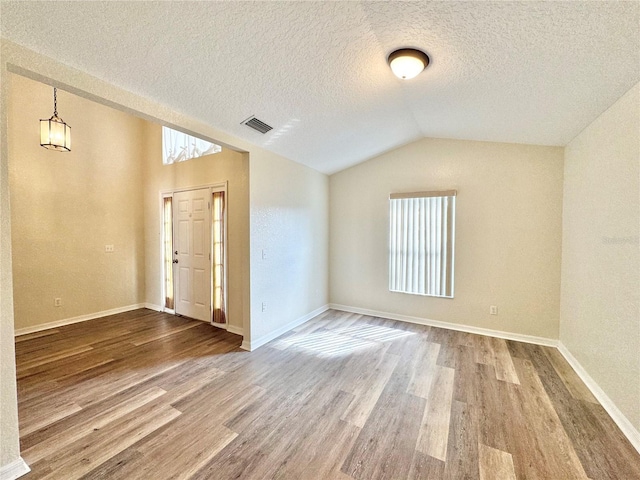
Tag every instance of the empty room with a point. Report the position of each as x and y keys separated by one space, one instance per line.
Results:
x=320 y=240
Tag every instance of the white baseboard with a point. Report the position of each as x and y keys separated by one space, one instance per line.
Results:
x=81 y=318
x=157 y=308
x=253 y=344
x=614 y=412
x=14 y=470
x=549 y=342
x=236 y=330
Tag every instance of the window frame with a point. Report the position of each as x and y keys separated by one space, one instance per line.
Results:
x=415 y=275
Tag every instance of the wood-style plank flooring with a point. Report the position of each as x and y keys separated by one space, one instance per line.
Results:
x=145 y=395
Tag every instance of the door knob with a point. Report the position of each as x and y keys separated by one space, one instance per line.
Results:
x=175 y=261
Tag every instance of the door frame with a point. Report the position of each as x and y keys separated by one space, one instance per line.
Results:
x=168 y=193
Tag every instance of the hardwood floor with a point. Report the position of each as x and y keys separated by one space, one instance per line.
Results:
x=144 y=395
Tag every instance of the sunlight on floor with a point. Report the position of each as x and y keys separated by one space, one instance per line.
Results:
x=344 y=340
x=373 y=332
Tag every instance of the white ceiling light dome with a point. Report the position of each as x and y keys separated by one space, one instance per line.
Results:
x=407 y=63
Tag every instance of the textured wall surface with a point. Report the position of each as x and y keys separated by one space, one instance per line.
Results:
x=224 y=166
x=289 y=222
x=600 y=313
x=507 y=239
x=65 y=207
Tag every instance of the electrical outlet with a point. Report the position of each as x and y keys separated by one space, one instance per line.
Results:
x=493 y=310
x=108 y=248
x=57 y=302
x=264 y=306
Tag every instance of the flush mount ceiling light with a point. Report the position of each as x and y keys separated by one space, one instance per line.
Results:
x=407 y=63
x=54 y=133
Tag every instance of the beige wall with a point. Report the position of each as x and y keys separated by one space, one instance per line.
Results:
x=600 y=253
x=65 y=207
x=226 y=166
x=508 y=232
x=289 y=221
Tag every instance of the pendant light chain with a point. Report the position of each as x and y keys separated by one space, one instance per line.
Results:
x=55 y=102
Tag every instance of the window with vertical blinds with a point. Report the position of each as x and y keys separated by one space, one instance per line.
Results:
x=421 y=242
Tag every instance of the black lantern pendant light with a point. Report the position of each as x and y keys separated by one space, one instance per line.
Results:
x=54 y=133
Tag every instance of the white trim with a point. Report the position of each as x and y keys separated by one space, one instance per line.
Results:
x=81 y=318
x=170 y=191
x=254 y=344
x=213 y=188
x=157 y=308
x=518 y=337
x=14 y=470
x=236 y=330
x=614 y=412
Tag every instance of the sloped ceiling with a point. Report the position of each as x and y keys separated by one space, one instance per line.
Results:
x=523 y=72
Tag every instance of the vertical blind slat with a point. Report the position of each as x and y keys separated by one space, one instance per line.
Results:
x=405 y=253
x=443 y=248
x=438 y=237
x=415 y=253
x=392 y=245
x=422 y=247
x=399 y=243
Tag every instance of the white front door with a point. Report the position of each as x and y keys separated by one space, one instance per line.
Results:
x=192 y=247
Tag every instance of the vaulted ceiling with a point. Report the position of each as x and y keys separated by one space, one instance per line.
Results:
x=524 y=72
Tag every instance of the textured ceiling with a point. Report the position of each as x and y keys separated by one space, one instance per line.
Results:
x=523 y=72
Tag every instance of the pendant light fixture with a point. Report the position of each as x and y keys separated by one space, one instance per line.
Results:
x=407 y=63
x=54 y=133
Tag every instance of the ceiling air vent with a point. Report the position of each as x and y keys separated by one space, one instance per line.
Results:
x=256 y=124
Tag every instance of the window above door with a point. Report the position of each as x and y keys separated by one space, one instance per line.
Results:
x=178 y=146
